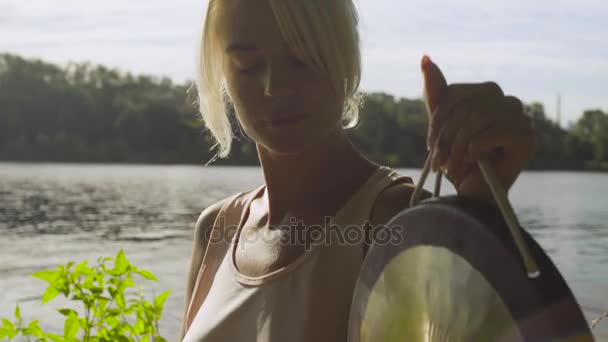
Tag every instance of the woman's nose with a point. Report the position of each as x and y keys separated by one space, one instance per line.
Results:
x=277 y=82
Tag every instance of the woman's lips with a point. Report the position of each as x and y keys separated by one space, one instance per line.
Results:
x=284 y=121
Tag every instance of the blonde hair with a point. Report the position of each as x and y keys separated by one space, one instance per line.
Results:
x=323 y=33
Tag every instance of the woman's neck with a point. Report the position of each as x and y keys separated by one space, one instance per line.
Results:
x=314 y=180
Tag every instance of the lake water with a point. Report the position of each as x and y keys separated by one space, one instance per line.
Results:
x=53 y=213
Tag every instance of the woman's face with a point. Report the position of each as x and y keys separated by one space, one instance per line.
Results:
x=281 y=103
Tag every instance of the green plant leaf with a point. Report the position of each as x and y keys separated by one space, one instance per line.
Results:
x=159 y=301
x=82 y=268
x=130 y=309
x=99 y=277
x=50 y=294
x=103 y=334
x=35 y=329
x=146 y=274
x=84 y=324
x=120 y=300
x=3 y=333
x=62 y=284
x=103 y=302
x=120 y=263
x=159 y=339
x=46 y=275
x=71 y=327
x=112 y=321
x=114 y=312
x=96 y=290
x=67 y=312
x=8 y=325
x=55 y=338
x=112 y=291
x=123 y=286
x=122 y=338
x=139 y=327
x=17 y=312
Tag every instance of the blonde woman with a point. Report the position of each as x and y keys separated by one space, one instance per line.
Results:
x=291 y=69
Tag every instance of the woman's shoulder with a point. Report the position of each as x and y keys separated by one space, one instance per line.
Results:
x=393 y=200
x=206 y=218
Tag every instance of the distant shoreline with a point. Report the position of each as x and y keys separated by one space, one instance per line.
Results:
x=601 y=169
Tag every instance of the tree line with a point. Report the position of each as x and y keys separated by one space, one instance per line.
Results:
x=82 y=112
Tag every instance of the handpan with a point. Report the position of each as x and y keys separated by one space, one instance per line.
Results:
x=451 y=271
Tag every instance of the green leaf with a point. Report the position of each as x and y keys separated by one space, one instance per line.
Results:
x=147 y=274
x=8 y=325
x=55 y=338
x=160 y=339
x=62 y=284
x=120 y=263
x=67 y=312
x=71 y=327
x=101 y=260
x=3 y=333
x=128 y=282
x=145 y=339
x=103 y=333
x=159 y=301
x=103 y=301
x=122 y=287
x=50 y=294
x=49 y=276
x=99 y=277
x=84 y=324
x=122 y=338
x=35 y=329
x=114 y=312
x=112 y=321
x=96 y=290
x=88 y=282
x=112 y=272
x=82 y=268
x=139 y=327
x=17 y=312
x=120 y=300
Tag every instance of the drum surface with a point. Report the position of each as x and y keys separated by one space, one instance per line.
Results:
x=448 y=270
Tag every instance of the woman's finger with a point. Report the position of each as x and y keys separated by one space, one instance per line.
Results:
x=459 y=161
x=457 y=94
x=516 y=137
x=459 y=117
x=469 y=114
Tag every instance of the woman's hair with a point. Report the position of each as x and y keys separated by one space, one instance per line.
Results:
x=322 y=33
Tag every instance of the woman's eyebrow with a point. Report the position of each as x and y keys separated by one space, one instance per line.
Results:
x=240 y=47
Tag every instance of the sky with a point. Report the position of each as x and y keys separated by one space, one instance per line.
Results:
x=534 y=50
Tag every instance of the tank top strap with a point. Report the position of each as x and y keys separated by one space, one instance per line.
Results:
x=359 y=208
x=224 y=227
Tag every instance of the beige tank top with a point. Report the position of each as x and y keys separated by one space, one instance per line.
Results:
x=307 y=300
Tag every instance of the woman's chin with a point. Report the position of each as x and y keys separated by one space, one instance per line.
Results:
x=287 y=148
